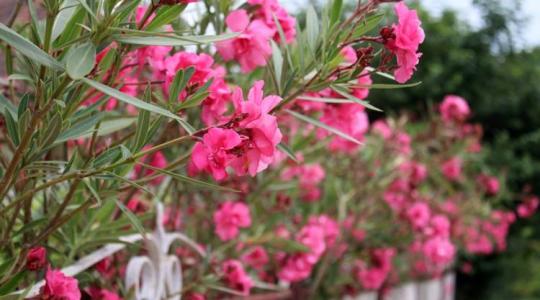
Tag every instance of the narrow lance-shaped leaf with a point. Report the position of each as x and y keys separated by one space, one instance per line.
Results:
x=27 y=48
x=132 y=218
x=188 y=179
x=172 y=40
x=324 y=126
x=137 y=102
x=343 y=92
x=287 y=150
x=198 y=97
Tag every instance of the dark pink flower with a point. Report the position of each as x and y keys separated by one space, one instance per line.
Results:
x=36 y=258
x=489 y=184
x=256 y=257
x=59 y=286
x=528 y=207
x=236 y=277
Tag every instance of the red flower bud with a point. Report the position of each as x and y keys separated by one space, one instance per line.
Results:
x=36 y=258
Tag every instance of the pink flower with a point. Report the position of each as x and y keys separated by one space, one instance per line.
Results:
x=102 y=294
x=451 y=169
x=236 y=277
x=229 y=218
x=454 y=109
x=348 y=118
x=269 y=9
x=298 y=266
x=349 y=54
x=36 y=258
x=259 y=130
x=408 y=35
x=330 y=227
x=212 y=154
x=418 y=215
x=381 y=128
x=371 y=278
x=237 y=20
x=195 y=296
x=489 y=184
x=440 y=226
x=59 y=286
x=414 y=171
x=157 y=160
x=251 y=48
x=256 y=257
x=528 y=207
x=439 y=251
x=364 y=80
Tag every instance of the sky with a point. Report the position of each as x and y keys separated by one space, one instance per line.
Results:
x=531 y=9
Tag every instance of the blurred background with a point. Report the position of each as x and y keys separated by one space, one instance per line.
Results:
x=487 y=51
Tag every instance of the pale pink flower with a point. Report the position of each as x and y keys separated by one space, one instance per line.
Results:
x=454 y=109
x=381 y=128
x=59 y=286
x=229 y=218
x=363 y=81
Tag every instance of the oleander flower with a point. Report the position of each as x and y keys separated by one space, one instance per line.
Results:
x=407 y=37
x=36 y=258
x=454 y=109
x=59 y=286
x=229 y=218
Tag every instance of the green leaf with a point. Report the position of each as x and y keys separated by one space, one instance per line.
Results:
x=287 y=150
x=322 y=125
x=71 y=30
x=337 y=5
x=6 y=105
x=165 y=15
x=63 y=17
x=324 y=99
x=28 y=49
x=387 y=86
x=137 y=102
x=343 y=92
x=80 y=60
x=80 y=129
x=187 y=179
x=312 y=28
x=93 y=191
x=143 y=124
x=12 y=128
x=172 y=40
x=132 y=218
x=179 y=83
x=12 y=284
x=369 y=24
x=198 y=97
x=53 y=130
x=277 y=60
x=287 y=245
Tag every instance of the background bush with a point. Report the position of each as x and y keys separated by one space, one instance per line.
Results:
x=500 y=81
